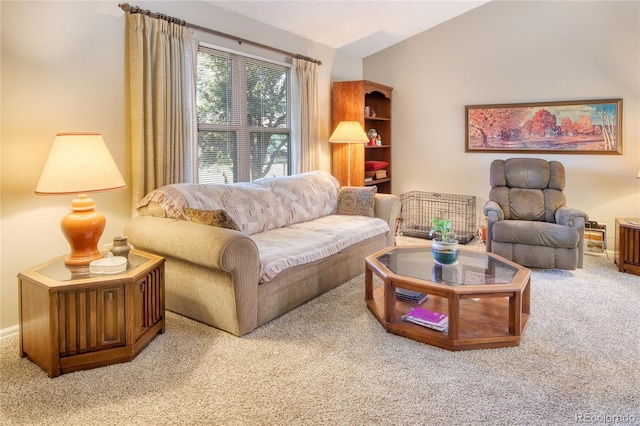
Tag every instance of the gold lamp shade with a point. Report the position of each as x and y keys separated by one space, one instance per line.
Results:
x=349 y=132
x=80 y=163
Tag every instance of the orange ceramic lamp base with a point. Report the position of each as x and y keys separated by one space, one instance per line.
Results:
x=83 y=228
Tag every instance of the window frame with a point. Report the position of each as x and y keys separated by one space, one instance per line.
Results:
x=239 y=122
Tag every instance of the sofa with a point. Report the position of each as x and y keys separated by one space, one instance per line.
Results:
x=239 y=255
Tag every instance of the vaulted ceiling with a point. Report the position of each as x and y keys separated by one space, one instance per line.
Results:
x=359 y=28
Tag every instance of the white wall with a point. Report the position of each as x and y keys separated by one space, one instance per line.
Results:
x=63 y=69
x=510 y=52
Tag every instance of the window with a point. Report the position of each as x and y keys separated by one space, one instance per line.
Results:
x=243 y=113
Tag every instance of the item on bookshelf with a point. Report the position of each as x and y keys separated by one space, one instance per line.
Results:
x=372 y=134
x=378 y=141
x=411 y=295
x=367 y=111
x=375 y=165
x=381 y=174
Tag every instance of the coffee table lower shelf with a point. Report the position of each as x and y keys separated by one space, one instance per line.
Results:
x=483 y=322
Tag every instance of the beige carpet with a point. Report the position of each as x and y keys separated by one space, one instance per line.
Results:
x=329 y=362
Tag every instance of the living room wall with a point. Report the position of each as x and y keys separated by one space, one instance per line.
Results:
x=63 y=69
x=511 y=52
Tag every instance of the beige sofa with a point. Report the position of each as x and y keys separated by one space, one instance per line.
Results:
x=275 y=243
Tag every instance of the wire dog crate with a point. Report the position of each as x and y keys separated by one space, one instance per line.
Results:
x=418 y=208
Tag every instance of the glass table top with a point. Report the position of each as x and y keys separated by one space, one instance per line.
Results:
x=472 y=268
x=60 y=272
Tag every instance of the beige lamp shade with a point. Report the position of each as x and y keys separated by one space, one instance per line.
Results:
x=349 y=132
x=79 y=163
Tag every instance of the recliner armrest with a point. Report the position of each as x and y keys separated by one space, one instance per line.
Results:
x=494 y=214
x=492 y=209
x=568 y=216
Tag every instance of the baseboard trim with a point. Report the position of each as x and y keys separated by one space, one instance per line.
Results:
x=9 y=331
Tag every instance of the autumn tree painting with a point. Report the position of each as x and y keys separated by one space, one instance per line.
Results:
x=579 y=127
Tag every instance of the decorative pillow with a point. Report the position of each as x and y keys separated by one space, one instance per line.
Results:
x=375 y=165
x=218 y=218
x=357 y=200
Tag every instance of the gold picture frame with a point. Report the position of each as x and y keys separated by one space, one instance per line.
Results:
x=562 y=127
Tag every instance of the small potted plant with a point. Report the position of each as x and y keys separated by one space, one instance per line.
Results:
x=444 y=245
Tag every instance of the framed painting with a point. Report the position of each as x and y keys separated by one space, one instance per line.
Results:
x=571 y=127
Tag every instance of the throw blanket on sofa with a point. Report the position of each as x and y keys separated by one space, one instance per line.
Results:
x=307 y=242
x=255 y=206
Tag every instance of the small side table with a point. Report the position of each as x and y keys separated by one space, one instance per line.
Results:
x=71 y=322
x=627 y=245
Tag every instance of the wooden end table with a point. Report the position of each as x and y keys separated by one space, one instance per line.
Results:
x=486 y=296
x=627 y=245
x=76 y=321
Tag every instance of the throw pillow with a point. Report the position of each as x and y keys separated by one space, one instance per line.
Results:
x=375 y=165
x=218 y=218
x=356 y=200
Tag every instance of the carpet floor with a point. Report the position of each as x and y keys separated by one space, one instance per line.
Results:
x=329 y=362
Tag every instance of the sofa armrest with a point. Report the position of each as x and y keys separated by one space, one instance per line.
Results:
x=221 y=288
x=387 y=208
x=204 y=245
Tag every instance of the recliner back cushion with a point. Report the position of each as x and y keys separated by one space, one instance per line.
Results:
x=526 y=204
x=527 y=188
x=527 y=173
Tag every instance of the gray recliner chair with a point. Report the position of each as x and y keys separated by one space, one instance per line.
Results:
x=528 y=221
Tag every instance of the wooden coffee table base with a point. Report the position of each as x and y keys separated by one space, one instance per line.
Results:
x=477 y=320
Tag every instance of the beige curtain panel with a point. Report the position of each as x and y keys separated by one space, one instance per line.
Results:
x=305 y=123
x=160 y=98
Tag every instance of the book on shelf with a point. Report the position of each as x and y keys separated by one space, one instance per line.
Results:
x=437 y=327
x=411 y=295
x=427 y=318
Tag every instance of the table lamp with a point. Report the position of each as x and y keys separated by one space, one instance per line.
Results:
x=80 y=163
x=349 y=132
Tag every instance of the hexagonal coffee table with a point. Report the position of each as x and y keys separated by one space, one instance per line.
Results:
x=486 y=296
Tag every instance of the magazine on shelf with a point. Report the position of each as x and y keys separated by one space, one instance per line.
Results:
x=411 y=295
x=427 y=318
x=437 y=327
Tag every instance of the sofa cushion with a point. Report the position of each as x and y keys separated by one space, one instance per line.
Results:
x=357 y=200
x=219 y=218
x=304 y=196
x=307 y=242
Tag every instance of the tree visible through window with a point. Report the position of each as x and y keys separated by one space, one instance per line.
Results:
x=243 y=117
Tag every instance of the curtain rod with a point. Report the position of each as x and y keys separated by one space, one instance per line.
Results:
x=135 y=9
